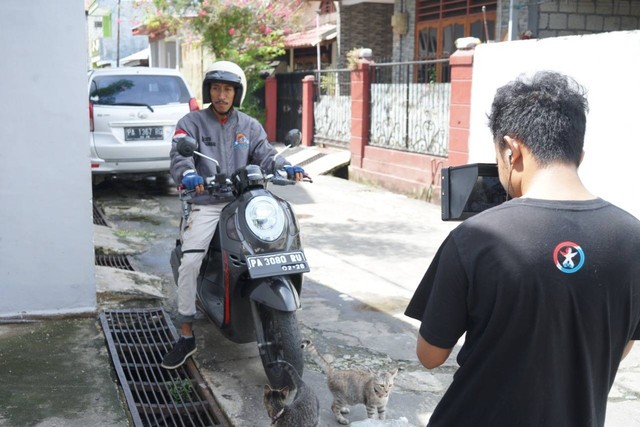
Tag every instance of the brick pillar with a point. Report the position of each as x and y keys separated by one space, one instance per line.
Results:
x=271 y=107
x=307 y=110
x=360 y=111
x=460 y=109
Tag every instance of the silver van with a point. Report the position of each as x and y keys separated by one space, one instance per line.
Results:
x=133 y=113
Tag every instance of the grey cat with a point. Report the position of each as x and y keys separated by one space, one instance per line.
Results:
x=303 y=411
x=352 y=387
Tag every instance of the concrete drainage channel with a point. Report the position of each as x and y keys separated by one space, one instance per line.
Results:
x=137 y=339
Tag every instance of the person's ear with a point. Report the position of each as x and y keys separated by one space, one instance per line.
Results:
x=513 y=151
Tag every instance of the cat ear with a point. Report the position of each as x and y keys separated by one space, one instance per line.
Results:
x=267 y=389
x=394 y=372
x=284 y=391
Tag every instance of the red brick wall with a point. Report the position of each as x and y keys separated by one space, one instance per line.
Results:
x=271 y=107
x=460 y=110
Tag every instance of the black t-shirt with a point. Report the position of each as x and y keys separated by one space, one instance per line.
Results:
x=548 y=294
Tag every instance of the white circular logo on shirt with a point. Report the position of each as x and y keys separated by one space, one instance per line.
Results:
x=568 y=257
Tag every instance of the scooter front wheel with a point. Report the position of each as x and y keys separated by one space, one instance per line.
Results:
x=282 y=341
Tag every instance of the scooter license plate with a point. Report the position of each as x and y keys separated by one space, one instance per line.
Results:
x=277 y=264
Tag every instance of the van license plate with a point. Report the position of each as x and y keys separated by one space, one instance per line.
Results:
x=277 y=264
x=143 y=133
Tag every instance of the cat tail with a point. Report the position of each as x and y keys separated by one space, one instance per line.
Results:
x=293 y=374
x=308 y=345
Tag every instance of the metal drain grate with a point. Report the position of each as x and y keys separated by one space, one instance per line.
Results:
x=98 y=216
x=115 y=261
x=311 y=159
x=137 y=340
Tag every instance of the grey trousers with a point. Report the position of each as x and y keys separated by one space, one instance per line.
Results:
x=196 y=234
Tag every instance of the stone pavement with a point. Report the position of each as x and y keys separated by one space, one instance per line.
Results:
x=367 y=248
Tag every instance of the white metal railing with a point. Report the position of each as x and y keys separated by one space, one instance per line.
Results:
x=412 y=117
x=408 y=110
x=332 y=107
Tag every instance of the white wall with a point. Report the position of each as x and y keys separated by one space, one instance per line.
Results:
x=608 y=65
x=46 y=227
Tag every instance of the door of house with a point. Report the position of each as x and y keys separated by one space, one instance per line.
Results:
x=289 y=103
x=440 y=23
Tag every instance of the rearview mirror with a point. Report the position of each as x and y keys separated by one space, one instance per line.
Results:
x=185 y=145
x=293 y=138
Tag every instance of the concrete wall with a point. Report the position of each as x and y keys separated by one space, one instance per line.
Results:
x=608 y=65
x=553 y=18
x=46 y=227
x=567 y=17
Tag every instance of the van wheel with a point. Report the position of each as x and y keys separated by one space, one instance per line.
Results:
x=164 y=180
x=97 y=180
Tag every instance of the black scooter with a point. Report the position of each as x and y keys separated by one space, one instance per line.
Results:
x=251 y=277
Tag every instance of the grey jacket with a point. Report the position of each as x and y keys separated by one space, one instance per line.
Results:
x=238 y=142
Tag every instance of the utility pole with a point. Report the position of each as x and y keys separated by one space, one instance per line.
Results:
x=118 y=38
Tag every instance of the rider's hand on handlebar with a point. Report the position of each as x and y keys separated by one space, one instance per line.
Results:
x=295 y=173
x=193 y=181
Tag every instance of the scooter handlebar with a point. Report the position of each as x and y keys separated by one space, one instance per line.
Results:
x=277 y=179
x=213 y=184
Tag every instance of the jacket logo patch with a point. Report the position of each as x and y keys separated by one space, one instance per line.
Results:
x=206 y=140
x=241 y=142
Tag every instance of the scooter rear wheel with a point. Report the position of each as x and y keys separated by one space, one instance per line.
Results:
x=283 y=342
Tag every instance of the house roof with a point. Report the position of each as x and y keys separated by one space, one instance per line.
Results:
x=135 y=58
x=311 y=37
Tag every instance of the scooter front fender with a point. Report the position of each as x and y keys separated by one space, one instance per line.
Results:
x=277 y=293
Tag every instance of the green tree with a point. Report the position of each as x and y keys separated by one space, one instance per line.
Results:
x=248 y=32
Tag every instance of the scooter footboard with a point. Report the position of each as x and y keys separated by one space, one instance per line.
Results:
x=278 y=293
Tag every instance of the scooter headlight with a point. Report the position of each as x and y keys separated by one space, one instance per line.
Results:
x=265 y=218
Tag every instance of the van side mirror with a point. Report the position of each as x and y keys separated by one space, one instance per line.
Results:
x=185 y=145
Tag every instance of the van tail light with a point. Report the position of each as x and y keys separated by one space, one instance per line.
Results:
x=193 y=104
x=90 y=117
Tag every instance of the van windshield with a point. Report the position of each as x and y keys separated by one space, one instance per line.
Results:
x=138 y=90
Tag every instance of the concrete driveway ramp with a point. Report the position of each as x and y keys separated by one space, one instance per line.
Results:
x=320 y=161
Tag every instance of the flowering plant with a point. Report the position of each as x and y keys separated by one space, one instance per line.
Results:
x=248 y=32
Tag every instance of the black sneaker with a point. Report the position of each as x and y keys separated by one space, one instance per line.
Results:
x=184 y=348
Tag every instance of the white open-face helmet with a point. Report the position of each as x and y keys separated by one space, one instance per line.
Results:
x=225 y=72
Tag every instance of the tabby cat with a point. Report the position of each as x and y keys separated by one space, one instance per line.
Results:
x=352 y=387
x=303 y=411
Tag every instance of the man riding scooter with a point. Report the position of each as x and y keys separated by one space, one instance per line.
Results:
x=234 y=139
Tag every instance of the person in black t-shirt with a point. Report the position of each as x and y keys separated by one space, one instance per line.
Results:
x=538 y=284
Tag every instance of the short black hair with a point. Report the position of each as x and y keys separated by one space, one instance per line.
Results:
x=547 y=113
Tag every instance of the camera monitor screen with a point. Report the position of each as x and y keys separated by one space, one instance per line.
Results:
x=470 y=189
